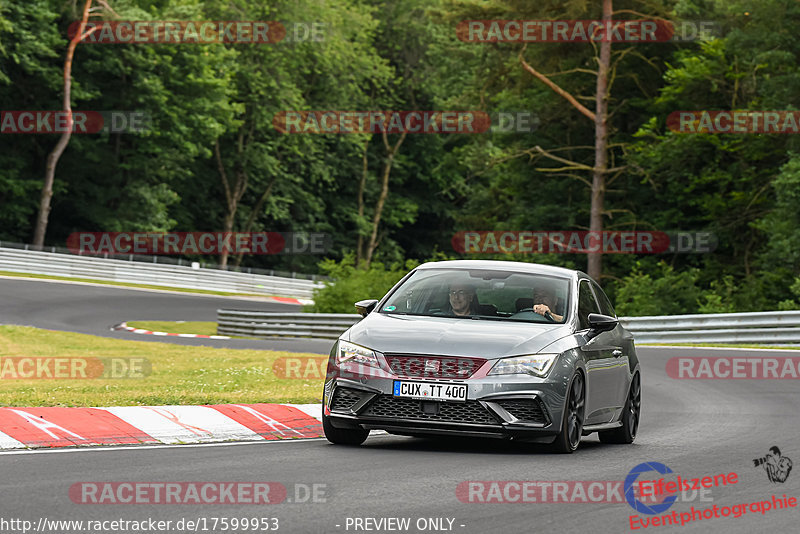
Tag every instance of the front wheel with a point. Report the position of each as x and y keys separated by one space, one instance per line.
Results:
x=343 y=436
x=630 y=417
x=572 y=422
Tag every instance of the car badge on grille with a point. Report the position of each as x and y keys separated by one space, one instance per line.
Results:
x=432 y=366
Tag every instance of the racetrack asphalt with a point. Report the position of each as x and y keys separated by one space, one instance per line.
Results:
x=95 y=309
x=696 y=427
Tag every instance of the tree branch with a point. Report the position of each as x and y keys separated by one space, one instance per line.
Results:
x=574 y=176
x=107 y=7
x=559 y=73
x=571 y=164
x=617 y=174
x=558 y=90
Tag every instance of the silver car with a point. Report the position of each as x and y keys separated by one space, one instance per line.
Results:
x=486 y=349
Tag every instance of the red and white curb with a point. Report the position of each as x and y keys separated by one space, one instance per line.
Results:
x=291 y=300
x=124 y=326
x=22 y=428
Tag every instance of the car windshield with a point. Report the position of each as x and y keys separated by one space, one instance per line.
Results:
x=481 y=294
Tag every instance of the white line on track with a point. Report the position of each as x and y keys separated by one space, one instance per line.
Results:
x=678 y=347
x=374 y=434
x=188 y=293
x=146 y=447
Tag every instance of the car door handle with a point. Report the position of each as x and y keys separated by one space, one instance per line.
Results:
x=617 y=353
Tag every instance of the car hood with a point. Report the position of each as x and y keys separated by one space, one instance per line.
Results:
x=453 y=337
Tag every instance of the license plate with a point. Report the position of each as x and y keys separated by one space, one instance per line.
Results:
x=430 y=391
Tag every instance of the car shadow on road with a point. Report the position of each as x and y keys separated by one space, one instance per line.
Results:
x=471 y=445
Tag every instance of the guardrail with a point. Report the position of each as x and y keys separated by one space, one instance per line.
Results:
x=756 y=327
x=265 y=324
x=167 y=275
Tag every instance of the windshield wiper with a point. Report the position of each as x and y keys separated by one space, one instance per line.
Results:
x=475 y=317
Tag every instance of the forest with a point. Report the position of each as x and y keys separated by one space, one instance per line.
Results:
x=578 y=135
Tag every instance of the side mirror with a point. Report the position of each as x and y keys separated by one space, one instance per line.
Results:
x=364 y=307
x=602 y=323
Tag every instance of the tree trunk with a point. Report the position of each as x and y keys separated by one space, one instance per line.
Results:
x=233 y=192
x=361 y=185
x=391 y=151
x=232 y=197
x=599 y=117
x=595 y=260
x=52 y=159
x=253 y=214
x=227 y=227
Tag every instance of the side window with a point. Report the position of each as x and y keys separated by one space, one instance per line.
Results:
x=605 y=305
x=586 y=304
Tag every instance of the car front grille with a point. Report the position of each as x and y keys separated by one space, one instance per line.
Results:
x=469 y=412
x=344 y=399
x=526 y=410
x=421 y=366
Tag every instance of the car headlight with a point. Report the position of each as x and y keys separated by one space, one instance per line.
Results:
x=534 y=364
x=348 y=352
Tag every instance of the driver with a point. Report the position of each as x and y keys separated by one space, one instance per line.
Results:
x=462 y=299
x=544 y=302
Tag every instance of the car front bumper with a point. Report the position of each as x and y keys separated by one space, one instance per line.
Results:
x=506 y=407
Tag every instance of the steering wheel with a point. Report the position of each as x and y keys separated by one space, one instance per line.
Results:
x=547 y=316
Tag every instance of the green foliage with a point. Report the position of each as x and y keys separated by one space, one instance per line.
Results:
x=719 y=298
x=666 y=292
x=404 y=54
x=349 y=284
x=792 y=304
x=782 y=224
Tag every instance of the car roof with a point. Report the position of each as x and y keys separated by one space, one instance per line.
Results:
x=494 y=265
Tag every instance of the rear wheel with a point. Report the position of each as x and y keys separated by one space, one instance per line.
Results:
x=343 y=436
x=572 y=422
x=630 y=417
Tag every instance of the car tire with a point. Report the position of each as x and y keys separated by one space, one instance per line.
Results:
x=343 y=436
x=631 y=414
x=569 y=438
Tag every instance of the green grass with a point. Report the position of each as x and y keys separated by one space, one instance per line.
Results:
x=180 y=375
x=177 y=327
x=723 y=345
x=127 y=284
